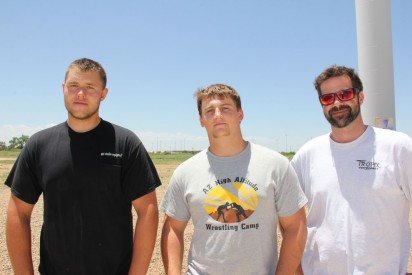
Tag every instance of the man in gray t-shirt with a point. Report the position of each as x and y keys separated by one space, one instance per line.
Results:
x=235 y=192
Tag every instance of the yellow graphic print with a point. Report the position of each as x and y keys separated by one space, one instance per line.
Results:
x=224 y=206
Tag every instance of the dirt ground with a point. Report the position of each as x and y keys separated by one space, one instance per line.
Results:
x=156 y=266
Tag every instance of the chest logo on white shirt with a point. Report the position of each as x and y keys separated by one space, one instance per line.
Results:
x=231 y=201
x=368 y=165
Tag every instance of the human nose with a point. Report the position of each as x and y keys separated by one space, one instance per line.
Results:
x=218 y=113
x=80 y=93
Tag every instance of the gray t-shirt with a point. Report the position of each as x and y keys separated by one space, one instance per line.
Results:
x=234 y=203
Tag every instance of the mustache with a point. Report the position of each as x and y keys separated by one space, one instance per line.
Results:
x=340 y=108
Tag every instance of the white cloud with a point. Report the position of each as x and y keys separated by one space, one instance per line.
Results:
x=172 y=141
x=8 y=131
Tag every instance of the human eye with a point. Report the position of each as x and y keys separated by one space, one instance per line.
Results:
x=72 y=87
x=90 y=89
x=347 y=94
x=208 y=110
x=228 y=108
x=327 y=99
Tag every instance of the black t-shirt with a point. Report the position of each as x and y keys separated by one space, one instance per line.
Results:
x=88 y=181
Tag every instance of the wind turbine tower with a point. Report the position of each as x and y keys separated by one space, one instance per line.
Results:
x=375 y=61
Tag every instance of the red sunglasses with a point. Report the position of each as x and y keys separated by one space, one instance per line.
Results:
x=343 y=95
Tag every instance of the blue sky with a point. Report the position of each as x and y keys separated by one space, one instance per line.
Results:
x=158 y=53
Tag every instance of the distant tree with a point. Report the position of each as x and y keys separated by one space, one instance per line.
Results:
x=3 y=145
x=18 y=142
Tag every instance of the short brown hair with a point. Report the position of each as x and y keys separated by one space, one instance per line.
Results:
x=219 y=90
x=336 y=71
x=85 y=64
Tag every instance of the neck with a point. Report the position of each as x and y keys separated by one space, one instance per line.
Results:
x=228 y=147
x=348 y=133
x=82 y=126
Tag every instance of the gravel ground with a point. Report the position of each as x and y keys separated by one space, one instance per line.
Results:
x=156 y=266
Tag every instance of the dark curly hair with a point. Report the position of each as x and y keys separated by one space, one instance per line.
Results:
x=336 y=71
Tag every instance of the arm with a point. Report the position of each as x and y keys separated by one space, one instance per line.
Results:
x=18 y=235
x=294 y=234
x=299 y=271
x=145 y=232
x=172 y=245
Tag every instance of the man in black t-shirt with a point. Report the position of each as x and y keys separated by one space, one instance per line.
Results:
x=90 y=173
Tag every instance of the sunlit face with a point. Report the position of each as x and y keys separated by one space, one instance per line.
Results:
x=220 y=117
x=83 y=92
x=341 y=114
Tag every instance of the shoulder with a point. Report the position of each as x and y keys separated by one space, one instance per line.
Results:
x=44 y=139
x=61 y=127
x=392 y=140
x=193 y=165
x=47 y=134
x=119 y=129
x=262 y=152
x=269 y=159
x=121 y=133
x=315 y=142
x=193 y=161
x=390 y=134
x=312 y=146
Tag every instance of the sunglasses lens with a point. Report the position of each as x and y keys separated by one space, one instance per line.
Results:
x=327 y=99
x=346 y=94
x=343 y=95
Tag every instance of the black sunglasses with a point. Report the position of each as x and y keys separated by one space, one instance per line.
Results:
x=343 y=95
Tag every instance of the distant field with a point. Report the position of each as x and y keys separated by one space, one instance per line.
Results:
x=158 y=158
x=9 y=154
x=170 y=157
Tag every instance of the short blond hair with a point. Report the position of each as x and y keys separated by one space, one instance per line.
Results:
x=86 y=64
x=219 y=90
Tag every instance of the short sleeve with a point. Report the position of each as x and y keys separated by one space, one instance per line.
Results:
x=23 y=179
x=289 y=196
x=139 y=175
x=174 y=203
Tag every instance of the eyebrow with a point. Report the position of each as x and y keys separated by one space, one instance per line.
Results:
x=220 y=105
x=76 y=82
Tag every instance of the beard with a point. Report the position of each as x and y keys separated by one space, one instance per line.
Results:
x=344 y=120
x=82 y=114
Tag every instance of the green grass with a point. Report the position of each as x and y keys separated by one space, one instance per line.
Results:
x=289 y=155
x=7 y=161
x=9 y=153
x=179 y=157
x=170 y=158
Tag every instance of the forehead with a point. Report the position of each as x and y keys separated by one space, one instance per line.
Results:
x=77 y=75
x=216 y=100
x=335 y=84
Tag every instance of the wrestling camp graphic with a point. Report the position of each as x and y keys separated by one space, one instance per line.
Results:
x=231 y=201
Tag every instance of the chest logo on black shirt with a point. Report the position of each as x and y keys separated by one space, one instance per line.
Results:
x=115 y=155
x=231 y=202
